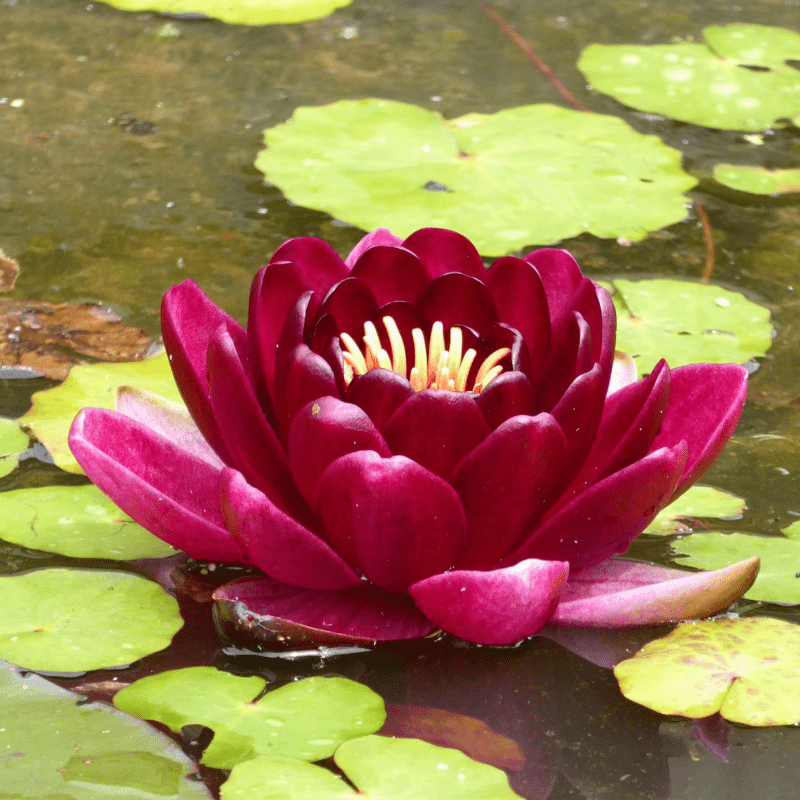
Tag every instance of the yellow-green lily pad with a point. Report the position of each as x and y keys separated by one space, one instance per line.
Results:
x=95 y=385
x=758 y=180
x=748 y=670
x=379 y=767
x=70 y=620
x=239 y=12
x=687 y=322
x=13 y=442
x=699 y=501
x=307 y=719
x=777 y=580
x=737 y=80
x=77 y=521
x=529 y=175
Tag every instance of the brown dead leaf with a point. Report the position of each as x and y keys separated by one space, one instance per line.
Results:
x=9 y=269
x=49 y=338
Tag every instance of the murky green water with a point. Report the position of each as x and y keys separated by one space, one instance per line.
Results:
x=93 y=211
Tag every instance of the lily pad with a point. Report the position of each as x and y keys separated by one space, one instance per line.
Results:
x=307 y=719
x=748 y=670
x=70 y=620
x=758 y=180
x=777 y=580
x=13 y=442
x=699 y=501
x=522 y=176
x=239 y=12
x=77 y=521
x=379 y=767
x=738 y=80
x=97 y=752
x=687 y=322
x=95 y=385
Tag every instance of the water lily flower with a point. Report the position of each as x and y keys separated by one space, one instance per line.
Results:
x=405 y=440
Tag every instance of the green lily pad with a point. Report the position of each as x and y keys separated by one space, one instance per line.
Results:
x=522 y=176
x=70 y=620
x=758 y=180
x=793 y=531
x=379 y=767
x=713 y=84
x=699 y=501
x=95 y=385
x=748 y=670
x=13 y=442
x=239 y=12
x=308 y=719
x=777 y=580
x=687 y=322
x=96 y=752
x=77 y=521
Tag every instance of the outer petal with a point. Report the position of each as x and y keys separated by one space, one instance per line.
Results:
x=560 y=275
x=391 y=519
x=705 y=403
x=379 y=237
x=498 y=607
x=508 y=395
x=621 y=594
x=170 y=492
x=277 y=544
x=442 y=251
x=623 y=372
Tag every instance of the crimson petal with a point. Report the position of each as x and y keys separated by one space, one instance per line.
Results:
x=351 y=304
x=277 y=544
x=170 y=492
x=390 y=518
x=508 y=395
x=456 y=299
x=391 y=273
x=443 y=251
x=500 y=607
x=379 y=393
x=560 y=276
x=379 y=237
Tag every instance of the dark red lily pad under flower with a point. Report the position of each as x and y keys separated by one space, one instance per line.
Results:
x=405 y=440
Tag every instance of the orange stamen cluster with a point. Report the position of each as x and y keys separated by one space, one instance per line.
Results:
x=437 y=367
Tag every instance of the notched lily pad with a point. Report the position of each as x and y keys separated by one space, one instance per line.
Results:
x=77 y=521
x=379 y=767
x=13 y=443
x=777 y=580
x=49 y=339
x=522 y=176
x=94 y=385
x=70 y=620
x=239 y=12
x=97 y=752
x=699 y=501
x=307 y=719
x=687 y=323
x=748 y=670
x=758 y=180
x=738 y=80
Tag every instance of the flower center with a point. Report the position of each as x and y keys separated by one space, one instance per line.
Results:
x=437 y=367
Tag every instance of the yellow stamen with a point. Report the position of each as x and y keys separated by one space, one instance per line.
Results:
x=456 y=343
x=398 y=348
x=463 y=370
x=489 y=364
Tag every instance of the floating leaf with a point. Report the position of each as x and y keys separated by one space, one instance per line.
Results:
x=308 y=719
x=699 y=501
x=239 y=12
x=70 y=620
x=95 y=385
x=77 y=521
x=758 y=180
x=777 y=580
x=54 y=747
x=13 y=442
x=748 y=670
x=793 y=531
x=738 y=80
x=379 y=767
x=687 y=322
x=527 y=175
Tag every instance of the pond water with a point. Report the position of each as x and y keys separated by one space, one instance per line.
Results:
x=94 y=211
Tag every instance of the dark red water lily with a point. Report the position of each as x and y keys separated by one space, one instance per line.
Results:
x=406 y=440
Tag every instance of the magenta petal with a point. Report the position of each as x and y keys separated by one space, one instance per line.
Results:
x=508 y=395
x=379 y=237
x=266 y=613
x=499 y=607
x=170 y=492
x=436 y=429
x=505 y=484
x=560 y=276
x=621 y=594
x=442 y=251
x=379 y=393
x=351 y=304
x=323 y=431
x=277 y=544
x=392 y=273
x=390 y=518
x=604 y=519
x=705 y=404
x=456 y=299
